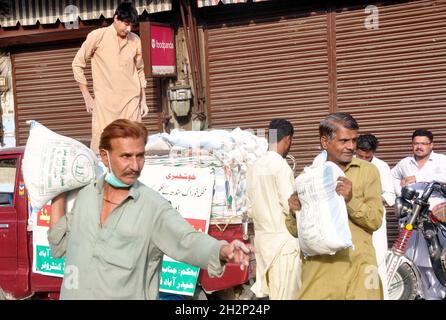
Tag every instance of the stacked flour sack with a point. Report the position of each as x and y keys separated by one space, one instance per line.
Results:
x=323 y=226
x=54 y=164
x=228 y=153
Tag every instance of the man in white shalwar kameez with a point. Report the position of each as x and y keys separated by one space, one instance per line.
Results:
x=416 y=170
x=366 y=146
x=270 y=183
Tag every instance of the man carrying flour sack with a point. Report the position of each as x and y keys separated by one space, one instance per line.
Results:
x=349 y=274
x=115 y=236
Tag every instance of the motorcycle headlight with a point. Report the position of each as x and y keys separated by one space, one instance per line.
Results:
x=402 y=207
x=408 y=193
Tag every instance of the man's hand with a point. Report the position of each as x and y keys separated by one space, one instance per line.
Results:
x=57 y=209
x=236 y=252
x=291 y=224
x=408 y=180
x=294 y=203
x=89 y=103
x=144 y=109
x=344 y=188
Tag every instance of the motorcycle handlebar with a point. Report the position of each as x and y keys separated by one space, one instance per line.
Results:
x=431 y=187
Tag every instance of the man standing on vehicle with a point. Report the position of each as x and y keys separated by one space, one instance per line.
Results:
x=270 y=183
x=349 y=274
x=115 y=236
x=416 y=170
x=118 y=72
x=366 y=146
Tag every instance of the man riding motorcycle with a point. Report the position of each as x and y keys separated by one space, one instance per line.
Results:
x=423 y=166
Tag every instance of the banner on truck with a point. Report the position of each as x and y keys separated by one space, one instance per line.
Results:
x=189 y=190
x=43 y=261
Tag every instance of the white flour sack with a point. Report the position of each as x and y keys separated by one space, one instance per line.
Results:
x=322 y=221
x=53 y=164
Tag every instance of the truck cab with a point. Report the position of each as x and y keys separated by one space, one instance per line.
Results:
x=16 y=250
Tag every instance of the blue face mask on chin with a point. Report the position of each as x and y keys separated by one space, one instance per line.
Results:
x=112 y=180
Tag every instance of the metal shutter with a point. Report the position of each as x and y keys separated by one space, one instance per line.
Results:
x=265 y=68
x=45 y=91
x=393 y=79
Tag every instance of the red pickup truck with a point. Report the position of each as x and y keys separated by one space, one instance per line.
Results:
x=17 y=279
x=16 y=250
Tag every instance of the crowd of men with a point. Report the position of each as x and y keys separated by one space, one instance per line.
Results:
x=119 y=229
x=368 y=186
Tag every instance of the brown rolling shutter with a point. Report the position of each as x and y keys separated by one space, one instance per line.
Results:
x=393 y=79
x=46 y=91
x=260 y=69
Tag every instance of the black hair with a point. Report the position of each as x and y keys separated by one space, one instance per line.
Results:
x=126 y=12
x=329 y=125
x=284 y=128
x=367 y=142
x=423 y=133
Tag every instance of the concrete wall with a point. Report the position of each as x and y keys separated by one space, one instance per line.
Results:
x=7 y=103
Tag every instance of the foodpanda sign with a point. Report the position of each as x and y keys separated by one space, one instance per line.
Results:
x=158 y=42
x=161 y=45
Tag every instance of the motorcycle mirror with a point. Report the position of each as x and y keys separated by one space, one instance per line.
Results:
x=443 y=189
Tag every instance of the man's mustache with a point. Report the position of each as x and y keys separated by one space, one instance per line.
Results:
x=132 y=173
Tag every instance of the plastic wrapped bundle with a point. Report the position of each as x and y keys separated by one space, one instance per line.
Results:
x=231 y=151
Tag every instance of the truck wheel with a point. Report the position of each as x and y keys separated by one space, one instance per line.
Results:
x=404 y=284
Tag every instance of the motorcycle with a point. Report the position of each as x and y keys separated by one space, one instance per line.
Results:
x=405 y=279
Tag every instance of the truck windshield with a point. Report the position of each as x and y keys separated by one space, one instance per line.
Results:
x=8 y=168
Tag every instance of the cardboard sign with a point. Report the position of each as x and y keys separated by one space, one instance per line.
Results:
x=189 y=190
